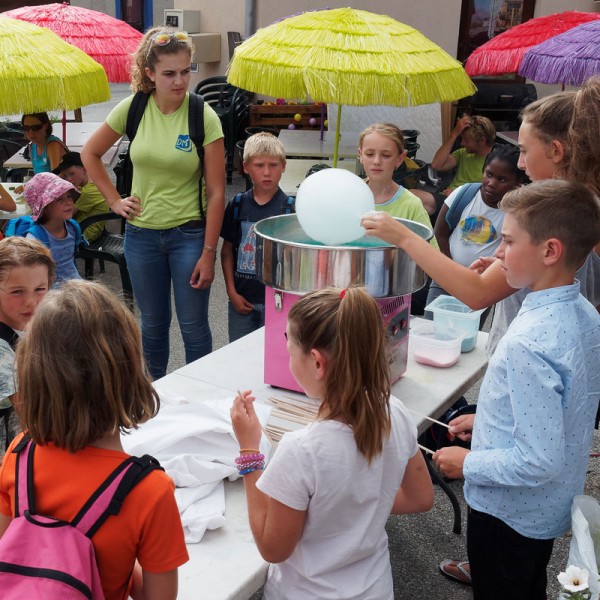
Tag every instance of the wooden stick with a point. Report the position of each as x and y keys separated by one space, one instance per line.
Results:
x=414 y=412
x=426 y=449
x=261 y=425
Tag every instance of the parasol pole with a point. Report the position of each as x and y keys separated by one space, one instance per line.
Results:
x=64 y=126
x=322 y=121
x=337 y=136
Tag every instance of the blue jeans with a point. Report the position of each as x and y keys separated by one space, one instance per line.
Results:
x=240 y=325
x=154 y=259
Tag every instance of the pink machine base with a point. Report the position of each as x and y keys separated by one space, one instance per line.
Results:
x=394 y=312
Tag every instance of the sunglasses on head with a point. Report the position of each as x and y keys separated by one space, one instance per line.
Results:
x=32 y=127
x=165 y=38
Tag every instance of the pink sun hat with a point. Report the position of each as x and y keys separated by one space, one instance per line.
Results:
x=45 y=188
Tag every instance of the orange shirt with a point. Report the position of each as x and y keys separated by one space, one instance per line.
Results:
x=148 y=527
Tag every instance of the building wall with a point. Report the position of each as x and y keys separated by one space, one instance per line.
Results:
x=438 y=20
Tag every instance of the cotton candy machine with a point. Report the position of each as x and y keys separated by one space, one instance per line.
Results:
x=291 y=264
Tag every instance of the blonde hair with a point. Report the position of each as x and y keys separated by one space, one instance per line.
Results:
x=584 y=136
x=555 y=208
x=80 y=368
x=389 y=130
x=148 y=54
x=23 y=252
x=481 y=128
x=263 y=144
x=350 y=332
x=550 y=118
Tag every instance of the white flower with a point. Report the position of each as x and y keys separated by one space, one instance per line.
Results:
x=574 y=579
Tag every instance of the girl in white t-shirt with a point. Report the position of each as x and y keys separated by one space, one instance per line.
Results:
x=477 y=230
x=318 y=511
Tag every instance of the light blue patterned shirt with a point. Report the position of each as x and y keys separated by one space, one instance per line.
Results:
x=535 y=415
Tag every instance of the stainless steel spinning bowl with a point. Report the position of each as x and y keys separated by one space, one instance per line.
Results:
x=289 y=261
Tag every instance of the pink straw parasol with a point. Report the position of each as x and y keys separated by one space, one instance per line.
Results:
x=503 y=54
x=107 y=40
x=570 y=58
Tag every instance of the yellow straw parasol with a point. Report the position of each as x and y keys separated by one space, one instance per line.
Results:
x=348 y=56
x=39 y=72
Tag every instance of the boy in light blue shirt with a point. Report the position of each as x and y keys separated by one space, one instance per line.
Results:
x=535 y=416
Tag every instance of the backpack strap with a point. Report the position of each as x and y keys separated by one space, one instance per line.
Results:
x=196 y=129
x=236 y=204
x=39 y=233
x=8 y=334
x=24 y=492
x=108 y=498
x=135 y=114
x=465 y=195
x=290 y=205
x=76 y=233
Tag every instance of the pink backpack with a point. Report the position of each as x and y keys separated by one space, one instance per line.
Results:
x=43 y=557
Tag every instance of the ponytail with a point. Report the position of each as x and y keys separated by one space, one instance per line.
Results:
x=347 y=327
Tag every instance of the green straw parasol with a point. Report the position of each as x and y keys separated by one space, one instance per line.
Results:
x=348 y=56
x=40 y=72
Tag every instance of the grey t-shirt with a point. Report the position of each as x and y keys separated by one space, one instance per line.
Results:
x=507 y=309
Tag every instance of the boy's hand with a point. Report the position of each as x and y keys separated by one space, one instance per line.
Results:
x=450 y=460
x=462 y=124
x=241 y=305
x=462 y=427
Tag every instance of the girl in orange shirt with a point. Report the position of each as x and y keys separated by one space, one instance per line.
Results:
x=83 y=381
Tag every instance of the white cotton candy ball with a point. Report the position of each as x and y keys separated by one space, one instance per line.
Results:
x=330 y=204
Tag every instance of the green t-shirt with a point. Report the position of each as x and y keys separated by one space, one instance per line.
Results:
x=469 y=168
x=166 y=164
x=89 y=204
x=406 y=205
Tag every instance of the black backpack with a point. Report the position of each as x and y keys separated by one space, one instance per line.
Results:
x=124 y=167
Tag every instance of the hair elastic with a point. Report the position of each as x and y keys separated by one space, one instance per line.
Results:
x=343 y=293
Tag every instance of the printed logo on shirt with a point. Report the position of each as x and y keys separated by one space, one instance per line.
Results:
x=247 y=249
x=184 y=143
x=477 y=230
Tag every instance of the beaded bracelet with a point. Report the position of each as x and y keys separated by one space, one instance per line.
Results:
x=246 y=457
x=251 y=470
x=256 y=463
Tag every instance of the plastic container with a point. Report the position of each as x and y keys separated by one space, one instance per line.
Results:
x=450 y=313
x=438 y=348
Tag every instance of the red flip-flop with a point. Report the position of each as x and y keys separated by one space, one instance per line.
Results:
x=457 y=570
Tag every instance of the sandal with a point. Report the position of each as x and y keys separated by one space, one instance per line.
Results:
x=456 y=570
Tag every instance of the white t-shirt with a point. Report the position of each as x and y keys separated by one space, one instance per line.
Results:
x=343 y=552
x=478 y=232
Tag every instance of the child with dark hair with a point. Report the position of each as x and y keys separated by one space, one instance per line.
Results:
x=475 y=231
x=52 y=202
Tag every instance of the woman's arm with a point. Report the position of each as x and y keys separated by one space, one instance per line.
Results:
x=214 y=178
x=6 y=201
x=474 y=289
x=91 y=156
x=416 y=491
x=442 y=231
x=55 y=151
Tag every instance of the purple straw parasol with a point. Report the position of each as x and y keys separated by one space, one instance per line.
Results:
x=569 y=58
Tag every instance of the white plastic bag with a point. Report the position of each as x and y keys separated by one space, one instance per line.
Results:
x=585 y=543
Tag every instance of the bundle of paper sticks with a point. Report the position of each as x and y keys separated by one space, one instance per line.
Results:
x=289 y=414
